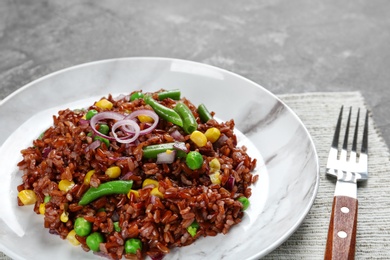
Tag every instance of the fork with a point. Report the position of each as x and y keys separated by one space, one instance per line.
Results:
x=349 y=167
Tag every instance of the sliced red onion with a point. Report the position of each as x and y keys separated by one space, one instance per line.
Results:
x=177 y=136
x=94 y=145
x=104 y=116
x=230 y=183
x=180 y=146
x=126 y=176
x=145 y=112
x=46 y=151
x=83 y=121
x=221 y=141
x=239 y=165
x=129 y=124
x=166 y=157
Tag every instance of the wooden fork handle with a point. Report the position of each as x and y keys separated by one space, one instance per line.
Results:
x=342 y=229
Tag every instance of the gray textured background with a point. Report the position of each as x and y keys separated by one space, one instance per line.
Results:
x=285 y=46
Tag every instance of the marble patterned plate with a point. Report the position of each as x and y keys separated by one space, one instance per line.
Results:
x=287 y=160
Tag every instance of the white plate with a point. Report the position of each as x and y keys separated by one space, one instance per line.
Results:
x=287 y=160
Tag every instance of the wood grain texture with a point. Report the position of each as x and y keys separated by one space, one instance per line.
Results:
x=342 y=229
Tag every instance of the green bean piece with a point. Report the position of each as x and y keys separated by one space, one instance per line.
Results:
x=204 y=113
x=244 y=201
x=82 y=227
x=193 y=228
x=151 y=151
x=47 y=199
x=173 y=94
x=117 y=228
x=94 y=240
x=104 y=129
x=136 y=95
x=90 y=114
x=132 y=245
x=107 y=188
x=164 y=112
x=189 y=121
x=194 y=160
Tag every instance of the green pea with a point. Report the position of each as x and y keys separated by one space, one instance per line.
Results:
x=94 y=240
x=136 y=95
x=90 y=114
x=82 y=227
x=102 y=139
x=244 y=201
x=132 y=245
x=193 y=228
x=104 y=129
x=46 y=199
x=117 y=228
x=194 y=160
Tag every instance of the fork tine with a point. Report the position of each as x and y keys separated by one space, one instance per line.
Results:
x=355 y=136
x=364 y=148
x=335 y=142
x=345 y=144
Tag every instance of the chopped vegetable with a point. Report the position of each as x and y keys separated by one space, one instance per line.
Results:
x=71 y=237
x=104 y=104
x=194 y=160
x=102 y=140
x=152 y=151
x=173 y=94
x=104 y=129
x=94 y=240
x=193 y=228
x=198 y=138
x=88 y=176
x=90 y=114
x=117 y=228
x=82 y=227
x=135 y=192
x=214 y=165
x=189 y=121
x=157 y=193
x=65 y=185
x=47 y=199
x=204 y=114
x=113 y=172
x=244 y=201
x=132 y=245
x=107 y=188
x=149 y=182
x=164 y=112
x=166 y=157
x=215 y=178
x=64 y=217
x=212 y=134
x=136 y=95
x=42 y=208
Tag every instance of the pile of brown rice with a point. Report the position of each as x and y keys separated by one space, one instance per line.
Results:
x=62 y=153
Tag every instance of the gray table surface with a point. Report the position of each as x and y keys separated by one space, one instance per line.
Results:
x=285 y=46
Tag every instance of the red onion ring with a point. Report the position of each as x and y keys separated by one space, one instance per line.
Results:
x=135 y=131
x=150 y=113
x=104 y=116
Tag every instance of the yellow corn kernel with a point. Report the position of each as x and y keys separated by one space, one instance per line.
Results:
x=212 y=134
x=113 y=172
x=64 y=217
x=157 y=193
x=71 y=237
x=215 y=177
x=148 y=182
x=42 y=208
x=214 y=165
x=104 y=104
x=65 y=185
x=27 y=197
x=198 y=138
x=88 y=176
x=145 y=119
x=135 y=192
